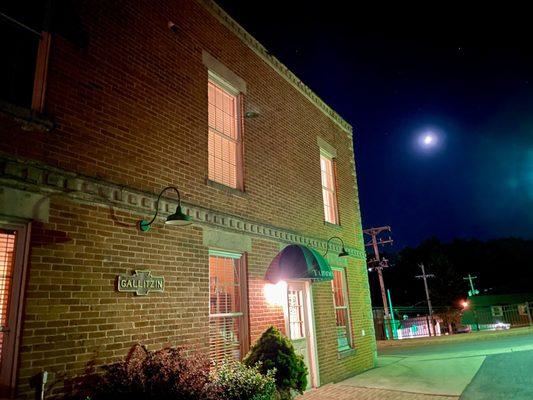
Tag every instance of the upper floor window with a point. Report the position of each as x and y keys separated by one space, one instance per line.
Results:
x=25 y=51
x=329 y=192
x=225 y=139
x=342 y=313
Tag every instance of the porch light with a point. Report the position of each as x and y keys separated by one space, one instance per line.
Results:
x=176 y=219
x=343 y=252
x=275 y=293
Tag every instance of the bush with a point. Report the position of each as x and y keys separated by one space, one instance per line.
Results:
x=235 y=381
x=274 y=351
x=163 y=374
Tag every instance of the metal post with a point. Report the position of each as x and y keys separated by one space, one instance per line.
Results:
x=528 y=313
x=393 y=320
x=476 y=320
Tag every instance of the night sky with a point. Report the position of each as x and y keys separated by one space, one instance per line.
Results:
x=466 y=76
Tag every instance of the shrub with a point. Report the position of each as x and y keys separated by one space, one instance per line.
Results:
x=274 y=351
x=235 y=381
x=163 y=374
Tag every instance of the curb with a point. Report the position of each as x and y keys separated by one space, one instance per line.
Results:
x=463 y=337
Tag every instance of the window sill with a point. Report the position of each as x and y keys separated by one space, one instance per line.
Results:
x=346 y=353
x=226 y=189
x=29 y=119
x=331 y=225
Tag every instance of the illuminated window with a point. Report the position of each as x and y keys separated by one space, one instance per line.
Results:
x=12 y=272
x=227 y=294
x=342 y=313
x=329 y=194
x=225 y=146
x=7 y=249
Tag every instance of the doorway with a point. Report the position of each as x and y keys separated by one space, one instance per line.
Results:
x=300 y=327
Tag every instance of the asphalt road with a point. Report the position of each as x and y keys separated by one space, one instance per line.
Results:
x=503 y=376
x=491 y=368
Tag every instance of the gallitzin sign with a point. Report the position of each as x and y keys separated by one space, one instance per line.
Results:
x=141 y=282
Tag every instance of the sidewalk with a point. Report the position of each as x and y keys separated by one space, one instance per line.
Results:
x=340 y=391
x=443 y=369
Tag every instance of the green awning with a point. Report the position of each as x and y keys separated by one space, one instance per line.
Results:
x=298 y=262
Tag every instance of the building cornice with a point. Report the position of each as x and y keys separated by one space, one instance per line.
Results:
x=35 y=177
x=224 y=18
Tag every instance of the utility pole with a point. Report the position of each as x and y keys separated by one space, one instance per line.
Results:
x=424 y=276
x=380 y=264
x=473 y=291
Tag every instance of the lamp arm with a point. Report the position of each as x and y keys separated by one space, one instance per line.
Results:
x=159 y=198
x=329 y=240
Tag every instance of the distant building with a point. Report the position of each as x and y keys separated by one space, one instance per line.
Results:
x=490 y=312
x=111 y=103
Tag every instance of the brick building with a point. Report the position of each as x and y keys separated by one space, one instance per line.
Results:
x=108 y=103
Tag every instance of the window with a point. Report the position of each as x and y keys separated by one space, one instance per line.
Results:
x=25 y=53
x=342 y=313
x=7 y=254
x=225 y=145
x=497 y=311
x=329 y=194
x=228 y=336
x=296 y=314
x=13 y=254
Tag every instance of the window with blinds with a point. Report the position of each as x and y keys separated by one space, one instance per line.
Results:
x=225 y=165
x=342 y=314
x=7 y=258
x=329 y=193
x=227 y=293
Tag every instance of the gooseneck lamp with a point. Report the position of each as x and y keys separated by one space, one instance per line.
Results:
x=343 y=252
x=176 y=219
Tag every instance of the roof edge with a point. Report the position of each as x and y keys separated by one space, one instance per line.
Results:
x=224 y=18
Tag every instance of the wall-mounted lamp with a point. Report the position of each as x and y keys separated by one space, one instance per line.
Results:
x=178 y=218
x=343 y=252
x=251 y=114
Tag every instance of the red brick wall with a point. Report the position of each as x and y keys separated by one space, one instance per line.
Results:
x=131 y=109
x=74 y=317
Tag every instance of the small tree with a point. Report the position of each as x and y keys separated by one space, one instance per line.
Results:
x=275 y=351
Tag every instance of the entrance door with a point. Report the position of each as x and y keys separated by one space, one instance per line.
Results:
x=13 y=240
x=298 y=322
